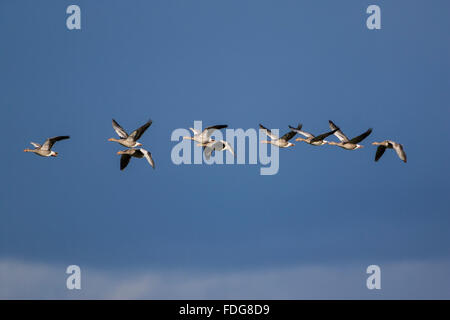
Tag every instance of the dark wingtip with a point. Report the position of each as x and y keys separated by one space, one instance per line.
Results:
x=218 y=126
x=299 y=126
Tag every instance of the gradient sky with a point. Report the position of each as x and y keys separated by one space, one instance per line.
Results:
x=241 y=63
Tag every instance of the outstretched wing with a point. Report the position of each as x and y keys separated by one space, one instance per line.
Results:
x=213 y=145
x=119 y=130
x=288 y=136
x=136 y=134
x=36 y=145
x=48 y=144
x=399 y=149
x=323 y=135
x=380 y=152
x=268 y=132
x=216 y=145
x=361 y=137
x=299 y=131
x=228 y=147
x=148 y=156
x=209 y=130
x=338 y=133
x=194 y=131
x=207 y=150
x=124 y=160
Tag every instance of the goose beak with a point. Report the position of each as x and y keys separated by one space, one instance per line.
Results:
x=110 y=139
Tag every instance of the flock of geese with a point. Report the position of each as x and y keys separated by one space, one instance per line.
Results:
x=204 y=140
x=344 y=141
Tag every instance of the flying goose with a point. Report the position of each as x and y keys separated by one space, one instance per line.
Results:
x=389 y=145
x=205 y=135
x=310 y=138
x=345 y=143
x=137 y=153
x=282 y=142
x=45 y=150
x=215 y=145
x=126 y=140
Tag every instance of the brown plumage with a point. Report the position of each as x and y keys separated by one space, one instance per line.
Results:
x=346 y=143
x=388 y=144
x=282 y=142
x=126 y=140
x=45 y=150
x=136 y=153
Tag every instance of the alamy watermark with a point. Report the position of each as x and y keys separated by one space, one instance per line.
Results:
x=374 y=280
x=246 y=144
x=73 y=281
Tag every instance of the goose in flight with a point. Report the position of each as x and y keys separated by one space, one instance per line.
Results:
x=204 y=136
x=310 y=138
x=45 y=150
x=389 y=145
x=126 y=140
x=137 y=153
x=282 y=142
x=215 y=145
x=348 y=144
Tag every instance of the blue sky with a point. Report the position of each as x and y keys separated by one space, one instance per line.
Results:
x=241 y=63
